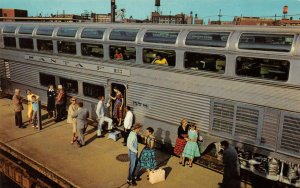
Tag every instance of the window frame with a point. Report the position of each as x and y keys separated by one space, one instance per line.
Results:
x=45 y=34
x=163 y=31
x=47 y=76
x=206 y=46
x=44 y=39
x=122 y=46
x=89 y=43
x=15 y=46
x=92 y=38
x=26 y=39
x=64 y=52
x=68 y=91
x=88 y=83
x=121 y=39
x=158 y=49
x=26 y=26
x=63 y=28
x=9 y=26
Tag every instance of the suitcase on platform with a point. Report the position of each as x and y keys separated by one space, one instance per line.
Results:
x=156 y=176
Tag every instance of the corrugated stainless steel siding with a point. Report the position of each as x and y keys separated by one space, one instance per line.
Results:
x=169 y=105
x=2 y=69
x=290 y=134
x=29 y=74
x=270 y=128
x=223 y=115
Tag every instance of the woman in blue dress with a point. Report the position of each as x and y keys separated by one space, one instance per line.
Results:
x=191 y=149
x=147 y=157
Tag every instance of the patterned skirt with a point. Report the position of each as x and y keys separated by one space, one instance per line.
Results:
x=117 y=112
x=179 y=146
x=191 y=150
x=147 y=159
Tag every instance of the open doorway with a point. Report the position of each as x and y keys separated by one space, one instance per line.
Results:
x=117 y=109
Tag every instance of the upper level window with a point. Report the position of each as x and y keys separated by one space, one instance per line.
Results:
x=93 y=50
x=71 y=86
x=66 y=47
x=45 y=30
x=122 y=53
x=67 y=31
x=92 y=90
x=273 y=69
x=167 y=37
x=159 y=57
x=266 y=42
x=10 y=42
x=209 y=39
x=9 y=29
x=26 y=29
x=92 y=33
x=205 y=62
x=123 y=34
x=46 y=79
x=26 y=43
x=45 y=45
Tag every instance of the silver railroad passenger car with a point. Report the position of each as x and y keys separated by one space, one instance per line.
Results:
x=236 y=83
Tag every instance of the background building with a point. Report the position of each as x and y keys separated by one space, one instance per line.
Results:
x=10 y=13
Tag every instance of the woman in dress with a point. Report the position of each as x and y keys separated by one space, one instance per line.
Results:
x=51 y=101
x=191 y=149
x=147 y=157
x=29 y=104
x=118 y=107
x=181 y=139
x=72 y=109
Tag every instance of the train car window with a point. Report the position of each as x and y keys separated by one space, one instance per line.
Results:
x=209 y=39
x=47 y=79
x=9 y=29
x=123 y=34
x=122 y=53
x=26 y=29
x=45 y=30
x=166 y=37
x=67 y=31
x=159 y=57
x=92 y=90
x=92 y=33
x=26 y=43
x=45 y=45
x=71 y=86
x=93 y=50
x=266 y=42
x=66 y=47
x=9 y=42
x=271 y=69
x=205 y=62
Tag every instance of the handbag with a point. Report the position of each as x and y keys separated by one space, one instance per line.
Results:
x=156 y=176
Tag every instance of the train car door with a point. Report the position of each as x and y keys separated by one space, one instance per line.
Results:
x=119 y=94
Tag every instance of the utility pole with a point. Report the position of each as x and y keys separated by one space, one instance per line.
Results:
x=113 y=11
x=220 y=15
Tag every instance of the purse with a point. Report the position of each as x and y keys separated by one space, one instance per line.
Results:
x=156 y=176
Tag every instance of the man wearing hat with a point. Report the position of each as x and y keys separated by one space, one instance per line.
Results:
x=132 y=144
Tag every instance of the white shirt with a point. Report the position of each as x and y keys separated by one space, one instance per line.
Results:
x=128 y=120
x=100 y=109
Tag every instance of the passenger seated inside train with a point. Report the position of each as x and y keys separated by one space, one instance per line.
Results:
x=159 y=60
x=118 y=55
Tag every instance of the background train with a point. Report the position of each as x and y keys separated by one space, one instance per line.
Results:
x=236 y=83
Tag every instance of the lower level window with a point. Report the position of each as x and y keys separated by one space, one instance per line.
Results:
x=92 y=90
x=46 y=79
x=66 y=47
x=205 y=62
x=159 y=57
x=272 y=69
x=71 y=86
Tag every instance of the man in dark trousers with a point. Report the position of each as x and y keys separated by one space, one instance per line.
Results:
x=231 y=175
x=18 y=107
x=81 y=116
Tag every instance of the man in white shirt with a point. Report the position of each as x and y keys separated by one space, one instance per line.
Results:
x=101 y=116
x=127 y=123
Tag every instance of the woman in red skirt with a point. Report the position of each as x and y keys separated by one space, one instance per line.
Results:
x=182 y=139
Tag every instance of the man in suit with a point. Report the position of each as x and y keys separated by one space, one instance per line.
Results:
x=18 y=107
x=231 y=163
x=81 y=116
x=101 y=116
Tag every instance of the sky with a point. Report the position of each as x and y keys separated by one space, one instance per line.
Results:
x=141 y=9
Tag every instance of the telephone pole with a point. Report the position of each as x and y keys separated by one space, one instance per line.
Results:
x=220 y=15
x=113 y=11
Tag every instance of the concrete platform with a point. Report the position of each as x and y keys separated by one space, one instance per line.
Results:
x=94 y=165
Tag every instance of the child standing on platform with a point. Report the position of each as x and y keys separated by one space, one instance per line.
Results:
x=191 y=149
x=35 y=109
